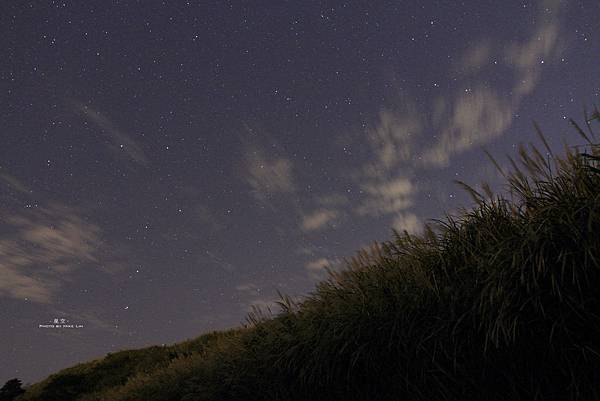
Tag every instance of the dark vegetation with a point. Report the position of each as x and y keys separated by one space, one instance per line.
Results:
x=500 y=303
x=11 y=390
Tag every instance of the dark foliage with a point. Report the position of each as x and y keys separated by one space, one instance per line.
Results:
x=11 y=390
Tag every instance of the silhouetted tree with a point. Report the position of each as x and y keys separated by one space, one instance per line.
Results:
x=11 y=390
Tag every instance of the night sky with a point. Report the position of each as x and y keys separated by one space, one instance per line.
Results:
x=166 y=165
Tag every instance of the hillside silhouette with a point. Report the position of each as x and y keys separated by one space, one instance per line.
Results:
x=499 y=303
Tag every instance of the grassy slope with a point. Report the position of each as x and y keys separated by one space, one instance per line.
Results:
x=500 y=303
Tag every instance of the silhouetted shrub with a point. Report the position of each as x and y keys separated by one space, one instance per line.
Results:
x=11 y=390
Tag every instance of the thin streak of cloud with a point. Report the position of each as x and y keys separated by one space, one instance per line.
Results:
x=247 y=287
x=120 y=141
x=13 y=182
x=219 y=261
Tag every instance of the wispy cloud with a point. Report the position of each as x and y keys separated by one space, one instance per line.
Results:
x=476 y=57
x=206 y=217
x=329 y=210
x=12 y=182
x=247 y=287
x=40 y=249
x=475 y=114
x=317 y=268
x=387 y=197
x=480 y=113
x=408 y=222
x=393 y=136
x=120 y=142
x=318 y=264
x=219 y=261
x=268 y=175
x=528 y=57
x=318 y=219
x=333 y=200
x=385 y=182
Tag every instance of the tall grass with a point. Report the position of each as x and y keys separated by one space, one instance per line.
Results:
x=499 y=303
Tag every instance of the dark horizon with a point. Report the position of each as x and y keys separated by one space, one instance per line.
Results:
x=165 y=167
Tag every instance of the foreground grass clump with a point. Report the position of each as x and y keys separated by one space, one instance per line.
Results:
x=501 y=303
